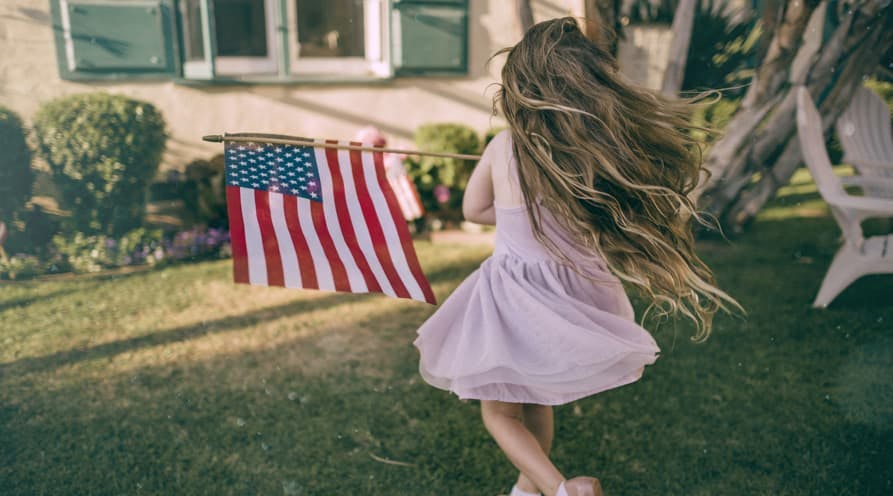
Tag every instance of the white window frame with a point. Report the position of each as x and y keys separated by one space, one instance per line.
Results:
x=375 y=63
x=238 y=66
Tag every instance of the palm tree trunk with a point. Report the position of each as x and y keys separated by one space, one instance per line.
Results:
x=759 y=150
x=683 y=22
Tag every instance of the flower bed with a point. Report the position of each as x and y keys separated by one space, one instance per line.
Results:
x=80 y=253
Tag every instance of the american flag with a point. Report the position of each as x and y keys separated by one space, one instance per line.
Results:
x=318 y=218
x=407 y=194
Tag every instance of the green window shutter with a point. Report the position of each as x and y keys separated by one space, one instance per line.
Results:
x=115 y=39
x=430 y=37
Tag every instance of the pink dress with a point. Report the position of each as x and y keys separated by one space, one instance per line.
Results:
x=526 y=328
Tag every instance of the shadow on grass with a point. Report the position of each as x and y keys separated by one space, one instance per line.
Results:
x=205 y=433
x=258 y=423
x=183 y=333
x=757 y=409
x=26 y=301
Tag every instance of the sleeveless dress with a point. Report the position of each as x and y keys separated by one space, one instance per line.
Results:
x=526 y=328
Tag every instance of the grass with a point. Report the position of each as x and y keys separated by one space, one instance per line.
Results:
x=176 y=381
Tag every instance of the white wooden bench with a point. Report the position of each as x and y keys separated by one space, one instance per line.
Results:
x=866 y=138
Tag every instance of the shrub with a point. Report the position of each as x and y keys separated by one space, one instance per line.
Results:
x=715 y=116
x=103 y=151
x=16 y=176
x=197 y=243
x=441 y=181
x=32 y=232
x=21 y=266
x=205 y=197
x=722 y=48
x=79 y=252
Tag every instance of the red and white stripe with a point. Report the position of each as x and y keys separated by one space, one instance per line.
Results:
x=355 y=240
x=406 y=192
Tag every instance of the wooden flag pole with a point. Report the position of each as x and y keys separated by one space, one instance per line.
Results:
x=298 y=140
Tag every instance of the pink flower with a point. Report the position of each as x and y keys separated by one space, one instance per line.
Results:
x=441 y=193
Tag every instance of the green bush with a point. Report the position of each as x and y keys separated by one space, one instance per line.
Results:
x=79 y=252
x=205 y=198
x=21 y=266
x=714 y=116
x=430 y=173
x=32 y=232
x=16 y=176
x=103 y=151
x=722 y=49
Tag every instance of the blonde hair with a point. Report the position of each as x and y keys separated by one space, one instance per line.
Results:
x=614 y=163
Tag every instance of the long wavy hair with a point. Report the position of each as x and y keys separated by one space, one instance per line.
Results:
x=614 y=163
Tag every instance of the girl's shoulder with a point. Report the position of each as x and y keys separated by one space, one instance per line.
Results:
x=499 y=144
x=506 y=186
x=499 y=151
x=505 y=134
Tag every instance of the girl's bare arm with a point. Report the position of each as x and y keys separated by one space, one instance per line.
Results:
x=477 y=204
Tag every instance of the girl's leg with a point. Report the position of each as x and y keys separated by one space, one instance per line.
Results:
x=539 y=421
x=503 y=422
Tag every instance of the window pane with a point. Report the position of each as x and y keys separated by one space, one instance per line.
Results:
x=241 y=28
x=190 y=12
x=334 y=28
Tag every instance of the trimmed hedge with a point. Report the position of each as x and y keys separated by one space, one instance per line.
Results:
x=205 y=198
x=16 y=176
x=443 y=177
x=103 y=151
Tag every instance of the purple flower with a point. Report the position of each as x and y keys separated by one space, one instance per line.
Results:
x=441 y=193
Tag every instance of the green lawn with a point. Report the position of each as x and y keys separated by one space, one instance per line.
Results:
x=177 y=381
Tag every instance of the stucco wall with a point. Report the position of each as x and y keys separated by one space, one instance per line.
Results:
x=642 y=56
x=29 y=77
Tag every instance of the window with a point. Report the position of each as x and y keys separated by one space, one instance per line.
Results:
x=260 y=40
x=343 y=37
x=327 y=30
x=246 y=41
x=244 y=37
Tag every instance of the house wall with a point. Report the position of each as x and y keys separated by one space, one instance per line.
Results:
x=644 y=54
x=29 y=77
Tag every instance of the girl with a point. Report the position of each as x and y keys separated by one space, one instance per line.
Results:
x=588 y=187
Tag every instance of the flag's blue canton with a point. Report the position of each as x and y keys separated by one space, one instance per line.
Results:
x=287 y=169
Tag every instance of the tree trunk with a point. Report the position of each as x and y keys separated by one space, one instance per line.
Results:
x=525 y=15
x=683 y=22
x=771 y=16
x=761 y=136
